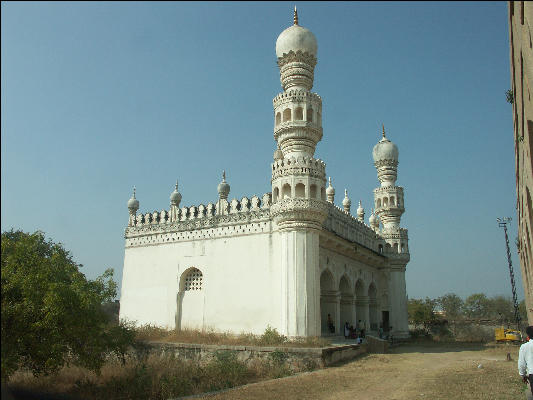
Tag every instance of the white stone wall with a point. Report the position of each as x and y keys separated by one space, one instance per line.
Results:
x=241 y=285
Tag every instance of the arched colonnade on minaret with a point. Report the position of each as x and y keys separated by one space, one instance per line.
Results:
x=350 y=295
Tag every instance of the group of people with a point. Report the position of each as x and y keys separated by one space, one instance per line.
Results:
x=352 y=333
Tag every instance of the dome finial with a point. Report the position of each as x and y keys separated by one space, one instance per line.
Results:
x=134 y=191
x=176 y=185
x=383 y=126
x=295 y=15
x=223 y=187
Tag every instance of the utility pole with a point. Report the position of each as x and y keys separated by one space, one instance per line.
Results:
x=502 y=223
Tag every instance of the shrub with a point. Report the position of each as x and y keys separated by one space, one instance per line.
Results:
x=279 y=357
x=271 y=337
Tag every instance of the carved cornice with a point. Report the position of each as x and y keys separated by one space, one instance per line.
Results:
x=214 y=221
x=298 y=129
x=299 y=166
x=299 y=213
x=298 y=56
x=386 y=163
x=297 y=96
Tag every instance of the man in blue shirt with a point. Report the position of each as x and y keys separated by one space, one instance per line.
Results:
x=525 y=361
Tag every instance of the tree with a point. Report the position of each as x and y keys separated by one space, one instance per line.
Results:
x=452 y=305
x=476 y=306
x=422 y=312
x=51 y=313
x=501 y=308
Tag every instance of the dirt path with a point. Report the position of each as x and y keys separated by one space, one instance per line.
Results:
x=409 y=372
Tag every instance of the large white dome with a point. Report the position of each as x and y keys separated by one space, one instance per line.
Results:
x=385 y=150
x=296 y=38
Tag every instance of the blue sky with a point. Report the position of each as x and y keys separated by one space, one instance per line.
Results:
x=98 y=97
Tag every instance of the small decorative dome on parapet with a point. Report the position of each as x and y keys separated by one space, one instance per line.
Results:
x=296 y=38
x=385 y=150
x=330 y=192
x=360 y=211
x=175 y=196
x=223 y=187
x=373 y=220
x=278 y=154
x=133 y=203
x=346 y=203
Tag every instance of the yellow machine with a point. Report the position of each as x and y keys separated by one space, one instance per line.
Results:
x=503 y=335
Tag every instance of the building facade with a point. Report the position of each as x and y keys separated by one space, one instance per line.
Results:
x=521 y=55
x=290 y=259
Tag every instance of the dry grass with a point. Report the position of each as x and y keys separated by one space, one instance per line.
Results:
x=429 y=371
x=154 y=378
x=209 y=336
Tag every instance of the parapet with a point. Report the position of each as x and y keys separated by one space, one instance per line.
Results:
x=350 y=228
x=299 y=166
x=296 y=96
x=202 y=216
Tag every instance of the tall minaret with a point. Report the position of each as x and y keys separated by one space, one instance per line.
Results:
x=388 y=200
x=298 y=181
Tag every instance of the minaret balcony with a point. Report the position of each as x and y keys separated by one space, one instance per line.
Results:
x=299 y=128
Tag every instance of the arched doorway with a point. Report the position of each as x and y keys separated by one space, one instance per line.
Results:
x=360 y=303
x=346 y=304
x=191 y=300
x=328 y=302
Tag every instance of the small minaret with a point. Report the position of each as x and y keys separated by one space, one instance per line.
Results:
x=360 y=212
x=133 y=206
x=389 y=205
x=175 y=200
x=389 y=197
x=347 y=203
x=330 y=192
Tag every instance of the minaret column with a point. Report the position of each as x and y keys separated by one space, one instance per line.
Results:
x=298 y=182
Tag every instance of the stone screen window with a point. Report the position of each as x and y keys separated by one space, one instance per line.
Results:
x=193 y=281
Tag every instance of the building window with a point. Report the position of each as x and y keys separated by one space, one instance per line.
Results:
x=193 y=281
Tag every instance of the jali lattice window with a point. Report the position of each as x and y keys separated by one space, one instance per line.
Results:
x=193 y=280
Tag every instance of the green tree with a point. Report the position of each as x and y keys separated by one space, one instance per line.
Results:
x=52 y=314
x=452 y=305
x=501 y=308
x=422 y=312
x=476 y=306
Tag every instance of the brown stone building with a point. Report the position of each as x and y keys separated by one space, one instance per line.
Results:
x=521 y=54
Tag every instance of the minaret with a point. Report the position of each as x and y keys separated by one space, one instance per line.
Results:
x=298 y=181
x=388 y=200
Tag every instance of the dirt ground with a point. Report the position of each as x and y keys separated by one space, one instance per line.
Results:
x=411 y=371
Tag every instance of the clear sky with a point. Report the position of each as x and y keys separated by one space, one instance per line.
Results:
x=98 y=97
